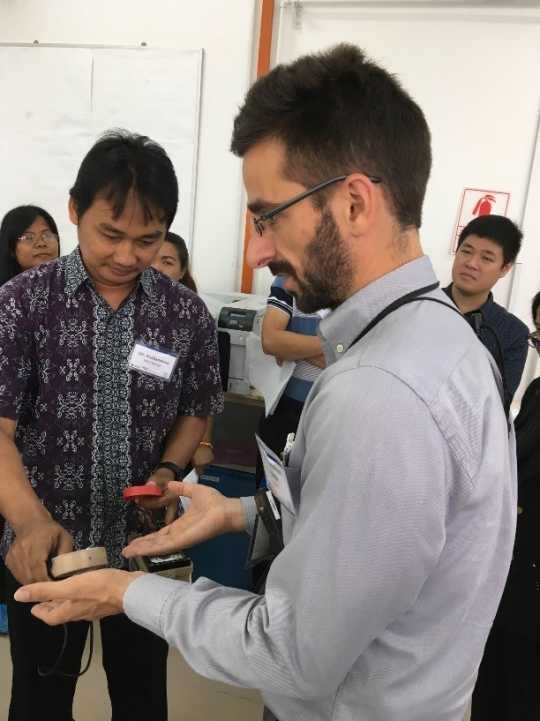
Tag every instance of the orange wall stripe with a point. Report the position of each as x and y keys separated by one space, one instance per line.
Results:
x=263 y=66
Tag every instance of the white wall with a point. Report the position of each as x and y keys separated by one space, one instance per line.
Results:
x=474 y=68
x=225 y=29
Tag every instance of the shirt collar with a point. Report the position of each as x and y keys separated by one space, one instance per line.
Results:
x=339 y=329
x=147 y=281
x=488 y=302
x=76 y=275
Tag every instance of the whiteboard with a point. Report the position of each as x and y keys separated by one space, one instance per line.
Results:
x=57 y=100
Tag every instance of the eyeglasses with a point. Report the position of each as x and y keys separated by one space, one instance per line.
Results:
x=47 y=236
x=534 y=340
x=262 y=219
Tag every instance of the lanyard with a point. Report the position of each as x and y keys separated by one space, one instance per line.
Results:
x=411 y=297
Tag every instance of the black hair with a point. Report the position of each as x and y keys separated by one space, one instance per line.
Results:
x=535 y=305
x=183 y=256
x=121 y=162
x=338 y=112
x=500 y=230
x=14 y=223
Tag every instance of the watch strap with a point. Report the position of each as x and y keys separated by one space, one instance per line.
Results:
x=176 y=469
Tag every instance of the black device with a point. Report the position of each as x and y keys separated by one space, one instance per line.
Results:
x=158 y=564
x=267 y=537
x=237 y=318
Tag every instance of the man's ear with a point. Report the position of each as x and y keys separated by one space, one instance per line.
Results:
x=361 y=201
x=72 y=211
x=505 y=269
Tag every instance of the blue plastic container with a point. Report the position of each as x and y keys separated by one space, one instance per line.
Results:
x=3 y=618
x=223 y=559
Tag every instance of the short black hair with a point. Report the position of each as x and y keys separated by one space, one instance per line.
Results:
x=338 y=112
x=121 y=162
x=535 y=306
x=14 y=223
x=500 y=230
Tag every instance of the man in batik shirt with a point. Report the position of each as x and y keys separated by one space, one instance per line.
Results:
x=81 y=419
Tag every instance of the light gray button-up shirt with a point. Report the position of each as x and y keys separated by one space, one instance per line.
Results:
x=403 y=476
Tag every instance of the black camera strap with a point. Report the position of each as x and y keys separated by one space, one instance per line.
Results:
x=413 y=297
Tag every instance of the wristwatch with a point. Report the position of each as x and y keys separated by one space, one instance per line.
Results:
x=177 y=470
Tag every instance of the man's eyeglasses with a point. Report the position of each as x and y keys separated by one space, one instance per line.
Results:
x=47 y=236
x=534 y=340
x=259 y=221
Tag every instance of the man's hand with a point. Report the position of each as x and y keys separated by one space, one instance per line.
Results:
x=168 y=500
x=34 y=544
x=210 y=514
x=86 y=597
x=202 y=457
x=160 y=478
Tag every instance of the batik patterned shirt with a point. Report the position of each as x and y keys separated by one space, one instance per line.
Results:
x=88 y=425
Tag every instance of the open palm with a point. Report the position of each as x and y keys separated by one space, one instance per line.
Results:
x=209 y=514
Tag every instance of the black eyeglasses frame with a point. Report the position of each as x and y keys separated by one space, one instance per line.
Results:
x=260 y=220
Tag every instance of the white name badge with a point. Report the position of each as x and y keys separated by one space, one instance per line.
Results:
x=275 y=475
x=153 y=362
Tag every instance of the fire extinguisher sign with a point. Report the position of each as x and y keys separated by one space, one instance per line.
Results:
x=476 y=202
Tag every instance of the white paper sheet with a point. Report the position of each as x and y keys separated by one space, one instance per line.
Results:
x=192 y=477
x=265 y=374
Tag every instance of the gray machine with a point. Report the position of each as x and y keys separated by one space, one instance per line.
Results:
x=236 y=315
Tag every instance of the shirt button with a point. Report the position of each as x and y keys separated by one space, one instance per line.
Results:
x=339 y=348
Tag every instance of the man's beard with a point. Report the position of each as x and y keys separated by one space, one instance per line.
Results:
x=327 y=272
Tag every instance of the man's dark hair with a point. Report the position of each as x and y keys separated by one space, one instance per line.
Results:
x=500 y=230
x=535 y=306
x=121 y=162
x=14 y=224
x=337 y=113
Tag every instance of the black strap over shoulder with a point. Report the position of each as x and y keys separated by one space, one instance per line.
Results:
x=413 y=297
x=404 y=300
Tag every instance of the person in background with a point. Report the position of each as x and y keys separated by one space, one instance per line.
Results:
x=487 y=249
x=288 y=334
x=28 y=237
x=506 y=689
x=173 y=261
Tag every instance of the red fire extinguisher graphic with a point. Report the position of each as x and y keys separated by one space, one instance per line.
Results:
x=484 y=205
